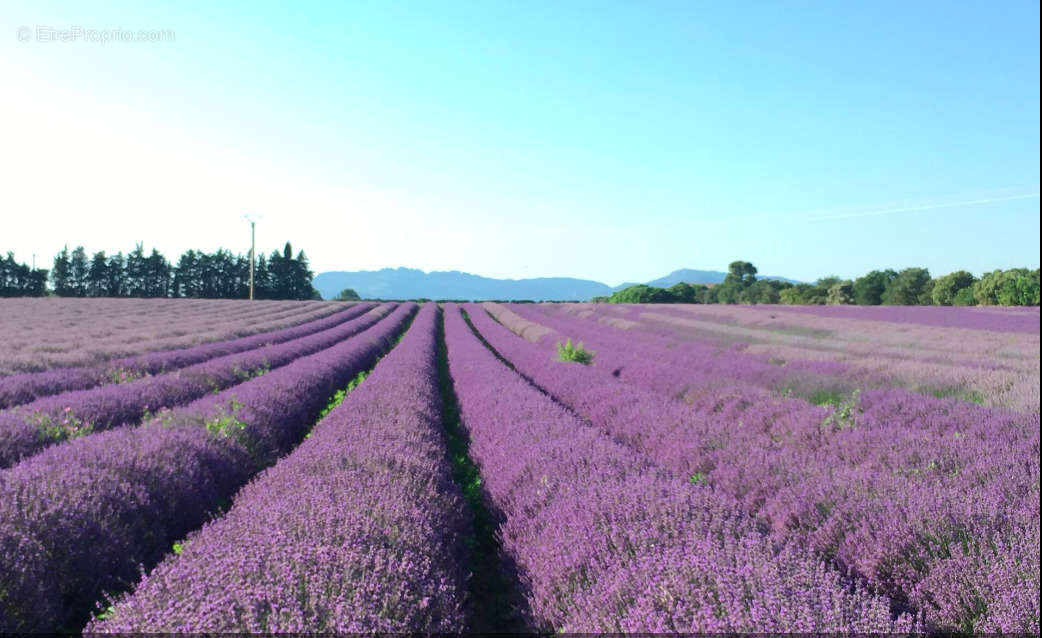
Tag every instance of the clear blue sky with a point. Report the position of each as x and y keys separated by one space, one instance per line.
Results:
x=614 y=141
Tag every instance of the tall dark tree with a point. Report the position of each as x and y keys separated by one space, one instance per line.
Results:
x=840 y=293
x=641 y=293
x=947 y=287
x=348 y=294
x=762 y=291
x=136 y=272
x=20 y=280
x=80 y=268
x=804 y=295
x=711 y=295
x=10 y=277
x=1013 y=287
x=868 y=290
x=302 y=277
x=911 y=287
x=740 y=275
x=684 y=293
x=218 y=275
x=37 y=282
x=98 y=276
x=280 y=269
x=116 y=275
x=740 y=272
x=188 y=275
x=223 y=276
x=185 y=281
x=157 y=275
x=262 y=288
x=61 y=274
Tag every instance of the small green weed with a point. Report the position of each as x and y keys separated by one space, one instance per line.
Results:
x=576 y=353
x=61 y=428
x=226 y=423
x=826 y=397
x=970 y=396
x=123 y=375
x=340 y=395
x=252 y=373
x=109 y=612
x=163 y=416
x=845 y=414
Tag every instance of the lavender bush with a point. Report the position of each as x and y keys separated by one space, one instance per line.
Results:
x=27 y=429
x=358 y=530
x=41 y=333
x=908 y=493
x=77 y=520
x=996 y=368
x=607 y=542
x=681 y=367
x=23 y=388
x=989 y=318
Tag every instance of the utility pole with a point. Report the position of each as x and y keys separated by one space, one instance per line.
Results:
x=253 y=252
x=252 y=218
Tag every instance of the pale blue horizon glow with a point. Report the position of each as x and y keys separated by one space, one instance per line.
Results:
x=614 y=141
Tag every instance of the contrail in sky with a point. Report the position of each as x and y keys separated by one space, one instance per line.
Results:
x=912 y=209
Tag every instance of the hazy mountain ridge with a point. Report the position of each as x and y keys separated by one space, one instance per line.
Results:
x=412 y=283
x=700 y=277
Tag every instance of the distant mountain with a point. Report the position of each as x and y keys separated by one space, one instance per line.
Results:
x=702 y=277
x=412 y=283
x=624 y=286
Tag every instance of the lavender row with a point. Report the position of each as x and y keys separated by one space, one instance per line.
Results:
x=42 y=333
x=156 y=362
x=675 y=368
x=998 y=369
x=79 y=519
x=25 y=387
x=677 y=360
x=358 y=530
x=933 y=502
x=29 y=428
x=605 y=541
x=990 y=318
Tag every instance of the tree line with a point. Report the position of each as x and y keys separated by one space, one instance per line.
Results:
x=197 y=274
x=908 y=287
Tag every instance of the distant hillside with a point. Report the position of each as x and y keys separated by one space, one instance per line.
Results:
x=412 y=283
x=700 y=277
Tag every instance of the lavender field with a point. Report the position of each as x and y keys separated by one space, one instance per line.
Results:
x=226 y=466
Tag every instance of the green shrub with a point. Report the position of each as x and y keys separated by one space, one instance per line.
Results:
x=225 y=423
x=122 y=375
x=347 y=294
x=61 y=428
x=576 y=353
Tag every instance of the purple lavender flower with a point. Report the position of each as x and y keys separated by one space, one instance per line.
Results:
x=358 y=529
x=79 y=518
